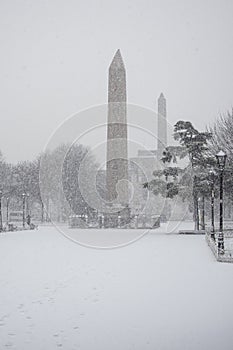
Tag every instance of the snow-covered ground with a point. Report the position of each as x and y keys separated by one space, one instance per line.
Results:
x=164 y=291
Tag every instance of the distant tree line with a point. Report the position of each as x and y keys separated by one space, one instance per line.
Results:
x=24 y=179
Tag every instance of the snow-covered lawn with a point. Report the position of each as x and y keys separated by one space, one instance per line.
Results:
x=164 y=291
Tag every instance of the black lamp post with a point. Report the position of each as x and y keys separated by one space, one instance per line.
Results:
x=24 y=197
x=221 y=159
x=27 y=204
x=70 y=204
x=1 y=211
x=212 y=181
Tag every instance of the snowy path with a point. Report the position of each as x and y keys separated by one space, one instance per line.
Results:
x=162 y=292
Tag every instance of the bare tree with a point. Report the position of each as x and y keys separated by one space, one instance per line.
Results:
x=222 y=134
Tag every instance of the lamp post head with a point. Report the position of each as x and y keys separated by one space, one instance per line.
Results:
x=221 y=159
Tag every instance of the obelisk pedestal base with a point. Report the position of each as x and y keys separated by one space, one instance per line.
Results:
x=117 y=219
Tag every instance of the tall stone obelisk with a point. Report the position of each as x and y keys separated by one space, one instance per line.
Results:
x=162 y=126
x=117 y=147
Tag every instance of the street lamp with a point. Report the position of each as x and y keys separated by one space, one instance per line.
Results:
x=24 y=196
x=1 y=211
x=70 y=206
x=7 y=210
x=212 y=181
x=27 y=204
x=221 y=160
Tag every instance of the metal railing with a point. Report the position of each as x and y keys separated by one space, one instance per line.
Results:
x=222 y=255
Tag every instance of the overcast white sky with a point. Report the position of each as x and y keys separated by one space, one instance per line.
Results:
x=55 y=56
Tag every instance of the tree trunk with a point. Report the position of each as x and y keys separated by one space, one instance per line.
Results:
x=203 y=214
x=47 y=209
x=195 y=207
x=42 y=211
x=196 y=213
